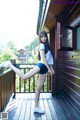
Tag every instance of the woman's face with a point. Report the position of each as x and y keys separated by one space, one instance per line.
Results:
x=43 y=38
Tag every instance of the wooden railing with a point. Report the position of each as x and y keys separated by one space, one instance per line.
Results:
x=7 y=87
x=31 y=84
x=11 y=83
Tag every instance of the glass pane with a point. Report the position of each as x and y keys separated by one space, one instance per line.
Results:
x=78 y=38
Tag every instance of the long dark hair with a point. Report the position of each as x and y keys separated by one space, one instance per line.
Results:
x=47 y=47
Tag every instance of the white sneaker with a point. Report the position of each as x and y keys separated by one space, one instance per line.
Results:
x=38 y=110
x=5 y=64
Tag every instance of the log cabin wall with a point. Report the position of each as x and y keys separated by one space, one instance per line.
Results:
x=68 y=74
x=59 y=72
x=67 y=55
x=68 y=68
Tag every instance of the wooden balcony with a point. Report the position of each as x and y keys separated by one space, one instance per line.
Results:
x=57 y=107
x=10 y=84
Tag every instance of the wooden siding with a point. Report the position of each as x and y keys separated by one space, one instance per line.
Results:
x=63 y=11
x=68 y=65
x=59 y=72
x=54 y=9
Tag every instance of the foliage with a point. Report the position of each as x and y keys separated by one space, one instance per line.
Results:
x=33 y=45
x=34 y=57
x=12 y=47
x=6 y=55
x=8 y=52
x=32 y=50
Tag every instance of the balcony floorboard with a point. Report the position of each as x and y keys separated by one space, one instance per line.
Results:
x=56 y=108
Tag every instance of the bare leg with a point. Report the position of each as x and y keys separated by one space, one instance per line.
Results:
x=32 y=72
x=40 y=85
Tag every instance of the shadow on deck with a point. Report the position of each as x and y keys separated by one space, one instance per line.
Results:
x=56 y=108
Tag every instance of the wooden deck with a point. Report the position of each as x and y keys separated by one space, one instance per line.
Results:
x=56 y=108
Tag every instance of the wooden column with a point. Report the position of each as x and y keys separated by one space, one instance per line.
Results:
x=57 y=38
x=52 y=45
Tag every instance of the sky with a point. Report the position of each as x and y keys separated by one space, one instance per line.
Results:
x=18 y=21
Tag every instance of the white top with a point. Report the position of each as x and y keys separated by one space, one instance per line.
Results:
x=49 y=56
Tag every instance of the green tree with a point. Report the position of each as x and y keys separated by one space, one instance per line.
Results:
x=32 y=49
x=12 y=46
x=33 y=45
x=8 y=52
x=6 y=55
x=34 y=56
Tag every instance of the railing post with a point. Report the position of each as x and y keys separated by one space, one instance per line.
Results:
x=0 y=94
x=14 y=87
x=53 y=81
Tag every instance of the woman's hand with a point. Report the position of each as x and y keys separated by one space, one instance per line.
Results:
x=51 y=70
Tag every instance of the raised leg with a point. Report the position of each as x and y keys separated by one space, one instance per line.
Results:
x=32 y=72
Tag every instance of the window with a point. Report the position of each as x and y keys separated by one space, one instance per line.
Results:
x=78 y=37
x=67 y=38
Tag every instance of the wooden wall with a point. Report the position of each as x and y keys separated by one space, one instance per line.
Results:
x=59 y=72
x=68 y=76
x=52 y=45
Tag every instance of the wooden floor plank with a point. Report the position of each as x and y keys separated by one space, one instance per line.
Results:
x=34 y=116
x=52 y=109
x=12 y=107
x=68 y=114
x=74 y=115
x=17 y=113
x=56 y=108
x=28 y=108
x=43 y=116
x=23 y=109
x=48 y=113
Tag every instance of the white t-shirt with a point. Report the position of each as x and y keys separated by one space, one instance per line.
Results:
x=49 y=56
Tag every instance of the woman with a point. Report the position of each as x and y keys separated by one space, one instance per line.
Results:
x=45 y=64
